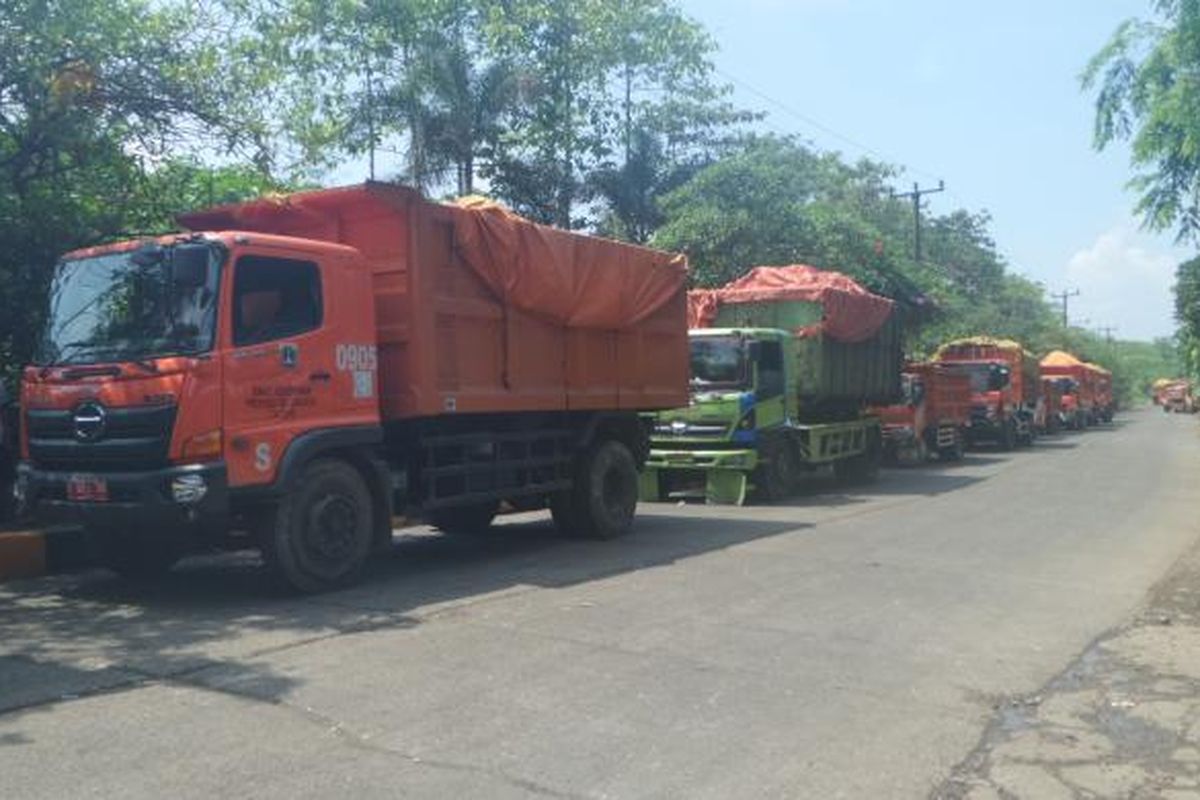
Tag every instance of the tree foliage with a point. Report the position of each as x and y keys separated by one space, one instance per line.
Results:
x=605 y=115
x=1147 y=93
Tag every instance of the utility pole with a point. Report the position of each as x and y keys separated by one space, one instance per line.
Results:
x=915 y=196
x=1107 y=331
x=1064 y=296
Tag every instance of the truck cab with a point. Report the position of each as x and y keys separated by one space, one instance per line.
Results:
x=741 y=431
x=178 y=376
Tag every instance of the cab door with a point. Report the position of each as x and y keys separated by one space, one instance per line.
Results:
x=279 y=368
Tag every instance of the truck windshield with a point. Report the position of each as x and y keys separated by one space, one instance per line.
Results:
x=132 y=305
x=718 y=362
x=1067 y=386
x=984 y=377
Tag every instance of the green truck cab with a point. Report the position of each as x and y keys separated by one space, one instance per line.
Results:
x=747 y=427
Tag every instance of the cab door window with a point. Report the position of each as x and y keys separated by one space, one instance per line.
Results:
x=770 y=370
x=274 y=298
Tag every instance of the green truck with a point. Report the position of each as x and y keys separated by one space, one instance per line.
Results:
x=775 y=394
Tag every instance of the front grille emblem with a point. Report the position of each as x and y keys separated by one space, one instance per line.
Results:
x=90 y=420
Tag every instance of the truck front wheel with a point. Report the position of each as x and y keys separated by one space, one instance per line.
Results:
x=603 y=500
x=778 y=477
x=321 y=533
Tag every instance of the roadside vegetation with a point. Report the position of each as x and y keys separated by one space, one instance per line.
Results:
x=600 y=115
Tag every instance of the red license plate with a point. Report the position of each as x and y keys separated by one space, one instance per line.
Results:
x=87 y=489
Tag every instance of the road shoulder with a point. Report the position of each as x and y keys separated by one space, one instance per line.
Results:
x=1123 y=720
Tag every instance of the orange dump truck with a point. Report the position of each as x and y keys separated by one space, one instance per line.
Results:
x=1158 y=390
x=1052 y=418
x=1177 y=397
x=1005 y=388
x=1076 y=381
x=931 y=418
x=1103 y=402
x=297 y=369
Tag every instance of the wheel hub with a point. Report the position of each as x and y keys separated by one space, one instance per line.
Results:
x=332 y=527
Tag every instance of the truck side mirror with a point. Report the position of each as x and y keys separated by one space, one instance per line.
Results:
x=189 y=266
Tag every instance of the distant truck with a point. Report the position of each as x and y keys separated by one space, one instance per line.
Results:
x=1077 y=381
x=302 y=368
x=1158 y=390
x=931 y=418
x=1004 y=388
x=1053 y=397
x=784 y=364
x=1104 y=403
x=1177 y=398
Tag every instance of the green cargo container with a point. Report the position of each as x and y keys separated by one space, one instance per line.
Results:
x=834 y=377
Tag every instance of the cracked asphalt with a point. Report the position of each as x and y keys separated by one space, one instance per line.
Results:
x=1014 y=626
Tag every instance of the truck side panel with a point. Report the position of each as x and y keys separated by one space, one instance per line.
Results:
x=541 y=320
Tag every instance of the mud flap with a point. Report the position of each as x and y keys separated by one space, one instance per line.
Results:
x=726 y=487
x=649 y=488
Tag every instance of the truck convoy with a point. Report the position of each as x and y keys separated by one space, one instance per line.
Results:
x=932 y=416
x=784 y=364
x=1005 y=388
x=304 y=367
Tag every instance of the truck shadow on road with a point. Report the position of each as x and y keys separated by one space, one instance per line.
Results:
x=211 y=624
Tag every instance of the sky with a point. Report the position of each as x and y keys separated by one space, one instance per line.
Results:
x=982 y=95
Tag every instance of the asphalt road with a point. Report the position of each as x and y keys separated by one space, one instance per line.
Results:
x=848 y=644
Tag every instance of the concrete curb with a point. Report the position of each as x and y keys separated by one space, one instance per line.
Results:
x=34 y=552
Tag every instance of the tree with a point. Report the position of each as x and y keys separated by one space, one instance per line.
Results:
x=1147 y=92
x=778 y=202
x=92 y=95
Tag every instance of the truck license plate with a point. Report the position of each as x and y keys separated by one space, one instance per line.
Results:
x=87 y=489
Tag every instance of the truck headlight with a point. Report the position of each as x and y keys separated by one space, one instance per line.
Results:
x=189 y=489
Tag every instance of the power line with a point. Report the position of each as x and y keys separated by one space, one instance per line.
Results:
x=1065 y=296
x=815 y=123
x=915 y=196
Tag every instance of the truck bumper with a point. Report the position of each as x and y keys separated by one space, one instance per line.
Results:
x=726 y=473
x=183 y=500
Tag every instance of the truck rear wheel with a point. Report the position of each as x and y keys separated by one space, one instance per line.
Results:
x=778 y=477
x=321 y=533
x=864 y=467
x=603 y=500
x=1008 y=436
x=136 y=556
x=473 y=519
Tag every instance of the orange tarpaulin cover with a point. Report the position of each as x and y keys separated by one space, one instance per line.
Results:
x=850 y=312
x=577 y=281
x=571 y=279
x=1061 y=358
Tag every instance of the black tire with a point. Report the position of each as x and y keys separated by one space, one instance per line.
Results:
x=603 y=500
x=320 y=536
x=1008 y=437
x=136 y=556
x=864 y=467
x=470 y=520
x=778 y=477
